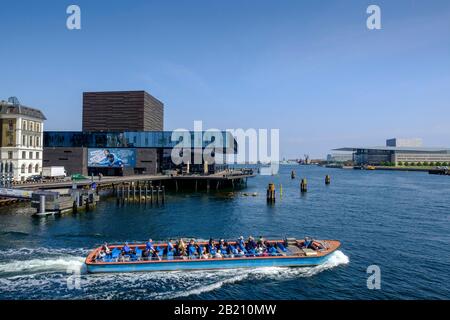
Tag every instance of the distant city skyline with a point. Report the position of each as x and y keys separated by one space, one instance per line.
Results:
x=311 y=69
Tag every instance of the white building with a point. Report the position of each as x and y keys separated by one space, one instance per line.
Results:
x=21 y=139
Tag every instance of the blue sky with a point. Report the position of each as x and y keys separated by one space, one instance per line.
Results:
x=309 y=68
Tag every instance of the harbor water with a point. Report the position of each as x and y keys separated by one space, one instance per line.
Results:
x=398 y=221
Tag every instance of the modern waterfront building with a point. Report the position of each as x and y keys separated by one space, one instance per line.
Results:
x=398 y=151
x=126 y=153
x=122 y=135
x=21 y=139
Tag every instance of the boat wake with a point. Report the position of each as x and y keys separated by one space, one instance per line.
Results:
x=47 y=278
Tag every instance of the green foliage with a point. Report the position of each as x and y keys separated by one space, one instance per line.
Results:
x=400 y=163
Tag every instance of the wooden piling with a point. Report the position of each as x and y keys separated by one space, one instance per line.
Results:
x=304 y=185
x=271 y=193
x=327 y=179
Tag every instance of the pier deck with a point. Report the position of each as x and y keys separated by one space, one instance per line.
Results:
x=223 y=176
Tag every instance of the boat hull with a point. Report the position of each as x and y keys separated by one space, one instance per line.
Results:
x=206 y=264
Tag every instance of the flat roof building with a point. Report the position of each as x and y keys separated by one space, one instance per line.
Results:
x=122 y=111
x=399 y=153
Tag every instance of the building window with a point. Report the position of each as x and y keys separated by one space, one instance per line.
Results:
x=24 y=155
x=31 y=126
x=10 y=155
x=30 y=168
x=31 y=155
x=38 y=141
x=24 y=140
x=38 y=127
x=37 y=155
x=22 y=169
x=36 y=168
x=11 y=125
x=24 y=125
x=31 y=141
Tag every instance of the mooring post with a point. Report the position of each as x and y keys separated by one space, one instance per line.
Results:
x=327 y=179
x=145 y=195
x=207 y=185
x=304 y=185
x=196 y=185
x=163 y=194
x=42 y=203
x=151 y=194
x=157 y=195
x=270 y=193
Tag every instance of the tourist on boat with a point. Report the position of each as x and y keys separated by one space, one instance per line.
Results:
x=212 y=248
x=106 y=249
x=240 y=244
x=181 y=248
x=307 y=243
x=223 y=247
x=203 y=253
x=149 y=245
x=251 y=244
x=126 y=250
x=260 y=242
x=192 y=249
x=170 y=247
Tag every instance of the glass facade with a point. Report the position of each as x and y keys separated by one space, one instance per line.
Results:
x=143 y=139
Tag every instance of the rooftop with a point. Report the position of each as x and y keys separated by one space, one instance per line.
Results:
x=11 y=108
x=398 y=149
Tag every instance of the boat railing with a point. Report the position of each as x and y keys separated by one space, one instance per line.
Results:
x=134 y=258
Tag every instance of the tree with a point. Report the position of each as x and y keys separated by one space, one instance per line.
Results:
x=419 y=164
x=406 y=163
x=425 y=163
x=400 y=163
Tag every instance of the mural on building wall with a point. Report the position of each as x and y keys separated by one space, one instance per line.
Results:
x=112 y=157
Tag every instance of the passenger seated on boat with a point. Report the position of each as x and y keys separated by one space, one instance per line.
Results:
x=126 y=250
x=261 y=242
x=181 y=248
x=203 y=253
x=223 y=247
x=240 y=244
x=307 y=243
x=170 y=247
x=251 y=244
x=192 y=249
x=212 y=248
x=106 y=249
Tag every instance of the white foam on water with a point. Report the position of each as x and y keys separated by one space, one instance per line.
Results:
x=63 y=263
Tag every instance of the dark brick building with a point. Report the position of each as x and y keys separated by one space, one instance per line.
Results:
x=122 y=111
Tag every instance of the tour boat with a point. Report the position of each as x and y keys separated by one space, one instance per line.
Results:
x=289 y=252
